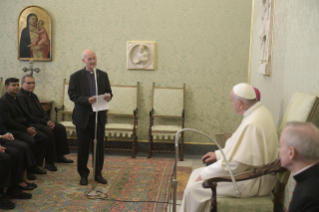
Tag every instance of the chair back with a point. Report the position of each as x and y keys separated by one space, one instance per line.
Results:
x=168 y=101
x=125 y=101
x=300 y=108
x=1 y=86
x=68 y=105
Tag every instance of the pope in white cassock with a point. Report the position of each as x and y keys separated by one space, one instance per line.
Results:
x=254 y=143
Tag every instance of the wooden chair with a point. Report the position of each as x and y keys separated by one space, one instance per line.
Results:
x=124 y=111
x=1 y=80
x=222 y=138
x=301 y=107
x=66 y=109
x=168 y=105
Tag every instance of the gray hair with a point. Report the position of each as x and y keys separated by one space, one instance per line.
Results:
x=25 y=76
x=248 y=102
x=304 y=137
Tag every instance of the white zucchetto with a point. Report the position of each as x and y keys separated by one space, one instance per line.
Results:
x=244 y=91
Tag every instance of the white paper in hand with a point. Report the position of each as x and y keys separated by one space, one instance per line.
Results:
x=103 y=104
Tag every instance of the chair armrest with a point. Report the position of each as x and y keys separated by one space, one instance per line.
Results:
x=209 y=162
x=135 y=121
x=270 y=168
x=135 y=112
x=183 y=118
x=56 y=109
x=151 y=117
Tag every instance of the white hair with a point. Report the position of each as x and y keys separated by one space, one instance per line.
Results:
x=248 y=102
x=304 y=137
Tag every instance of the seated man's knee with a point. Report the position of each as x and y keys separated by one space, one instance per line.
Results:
x=5 y=159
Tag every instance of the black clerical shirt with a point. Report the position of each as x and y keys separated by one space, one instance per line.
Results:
x=36 y=110
x=16 y=103
x=91 y=81
x=306 y=194
x=3 y=131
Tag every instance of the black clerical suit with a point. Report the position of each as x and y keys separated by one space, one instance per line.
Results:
x=306 y=194
x=80 y=90
x=40 y=118
x=10 y=167
x=10 y=162
x=24 y=148
x=5 y=170
x=16 y=120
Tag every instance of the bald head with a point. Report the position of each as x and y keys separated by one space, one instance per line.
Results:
x=89 y=58
x=304 y=137
x=86 y=52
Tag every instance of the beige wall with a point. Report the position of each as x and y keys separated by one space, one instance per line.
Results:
x=295 y=57
x=204 y=44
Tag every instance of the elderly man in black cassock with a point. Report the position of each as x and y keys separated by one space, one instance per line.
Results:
x=299 y=153
x=82 y=92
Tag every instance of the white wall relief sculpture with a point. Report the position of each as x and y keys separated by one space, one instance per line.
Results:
x=265 y=36
x=141 y=55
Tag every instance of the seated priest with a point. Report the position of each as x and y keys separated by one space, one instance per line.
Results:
x=56 y=132
x=16 y=119
x=27 y=159
x=299 y=153
x=254 y=143
x=10 y=177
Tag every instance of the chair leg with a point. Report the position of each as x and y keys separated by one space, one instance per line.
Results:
x=181 y=151
x=134 y=147
x=105 y=145
x=150 y=146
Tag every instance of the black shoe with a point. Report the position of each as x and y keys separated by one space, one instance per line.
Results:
x=33 y=185
x=84 y=181
x=31 y=176
x=5 y=203
x=100 y=179
x=26 y=188
x=63 y=159
x=37 y=170
x=50 y=167
x=15 y=193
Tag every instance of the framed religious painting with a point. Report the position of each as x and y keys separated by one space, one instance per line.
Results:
x=141 y=55
x=34 y=34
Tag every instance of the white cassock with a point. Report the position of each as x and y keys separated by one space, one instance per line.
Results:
x=254 y=143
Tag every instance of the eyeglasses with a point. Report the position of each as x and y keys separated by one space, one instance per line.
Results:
x=29 y=83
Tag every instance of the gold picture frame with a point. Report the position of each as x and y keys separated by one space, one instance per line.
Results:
x=141 y=55
x=34 y=34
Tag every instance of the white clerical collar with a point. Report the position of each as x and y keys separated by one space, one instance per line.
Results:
x=304 y=169
x=251 y=109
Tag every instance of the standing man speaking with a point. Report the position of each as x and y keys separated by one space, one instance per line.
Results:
x=82 y=92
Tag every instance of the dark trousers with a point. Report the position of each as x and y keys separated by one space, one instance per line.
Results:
x=5 y=170
x=10 y=167
x=39 y=145
x=57 y=136
x=25 y=153
x=85 y=138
